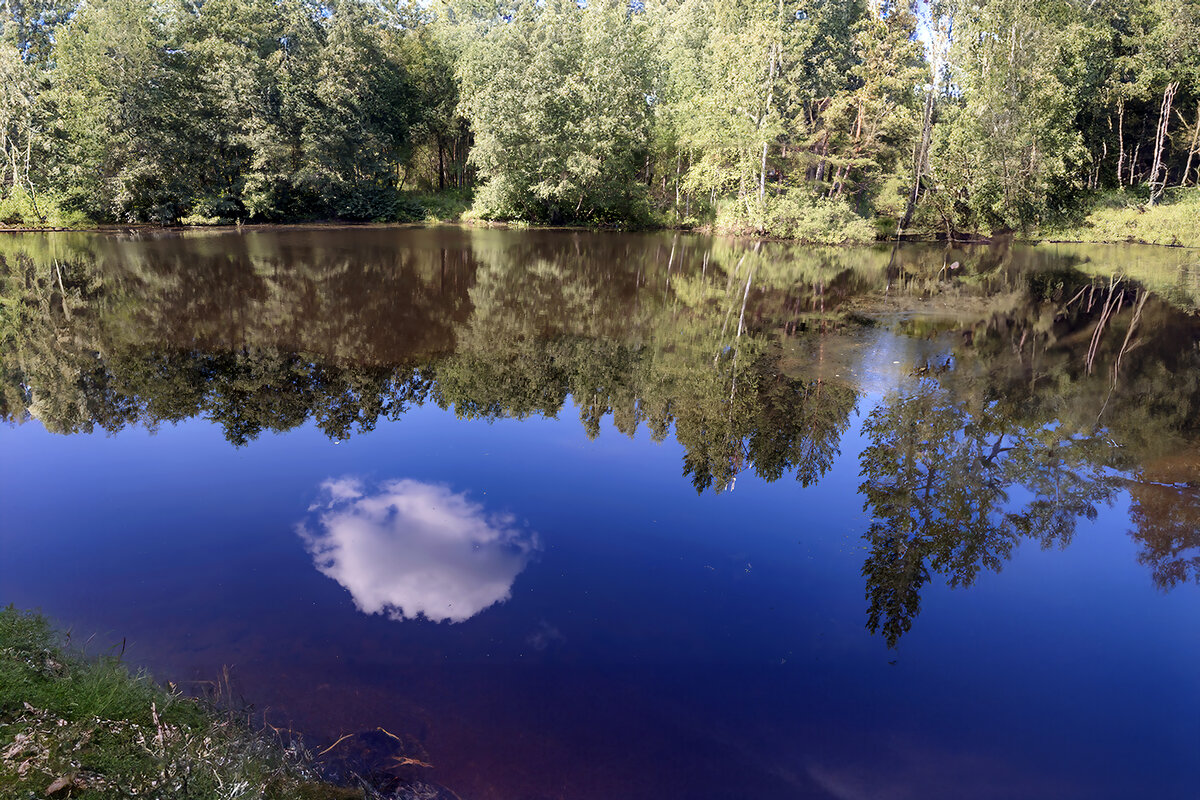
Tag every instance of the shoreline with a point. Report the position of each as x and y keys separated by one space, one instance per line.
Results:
x=967 y=241
x=73 y=722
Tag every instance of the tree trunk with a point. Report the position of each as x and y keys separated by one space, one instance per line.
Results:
x=920 y=158
x=762 y=121
x=441 y=165
x=1192 y=148
x=678 y=171
x=1164 y=120
x=1120 y=140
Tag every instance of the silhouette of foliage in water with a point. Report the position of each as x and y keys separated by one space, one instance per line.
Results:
x=940 y=475
x=1039 y=383
x=250 y=336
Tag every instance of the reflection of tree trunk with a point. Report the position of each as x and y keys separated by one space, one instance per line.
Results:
x=62 y=291
x=671 y=260
x=1112 y=306
x=1137 y=317
x=1125 y=348
x=996 y=450
x=737 y=339
x=725 y=323
x=1164 y=120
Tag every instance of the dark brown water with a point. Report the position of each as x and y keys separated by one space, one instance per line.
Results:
x=567 y=515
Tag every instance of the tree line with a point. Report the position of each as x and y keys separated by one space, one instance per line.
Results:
x=804 y=118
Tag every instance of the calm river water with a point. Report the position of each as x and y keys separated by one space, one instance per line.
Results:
x=571 y=515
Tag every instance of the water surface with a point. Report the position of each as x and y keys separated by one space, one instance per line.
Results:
x=576 y=515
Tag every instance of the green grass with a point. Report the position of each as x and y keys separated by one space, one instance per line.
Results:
x=1126 y=217
x=92 y=728
x=19 y=209
x=434 y=207
x=796 y=214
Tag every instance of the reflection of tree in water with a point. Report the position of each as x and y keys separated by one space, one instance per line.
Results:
x=541 y=332
x=251 y=336
x=1023 y=433
x=939 y=478
x=1012 y=440
x=85 y=347
x=1165 y=512
x=777 y=424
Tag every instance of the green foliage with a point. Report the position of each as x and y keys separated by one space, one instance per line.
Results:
x=797 y=214
x=1049 y=102
x=673 y=112
x=20 y=209
x=1126 y=217
x=557 y=100
x=1009 y=151
x=255 y=110
x=446 y=206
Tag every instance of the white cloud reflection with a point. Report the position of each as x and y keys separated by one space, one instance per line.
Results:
x=411 y=549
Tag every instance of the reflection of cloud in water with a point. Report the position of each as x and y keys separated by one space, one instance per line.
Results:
x=414 y=549
x=545 y=636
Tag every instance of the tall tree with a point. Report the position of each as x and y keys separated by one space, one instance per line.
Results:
x=557 y=98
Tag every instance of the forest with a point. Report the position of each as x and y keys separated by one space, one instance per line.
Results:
x=818 y=120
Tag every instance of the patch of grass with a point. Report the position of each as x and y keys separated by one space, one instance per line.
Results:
x=433 y=207
x=1126 y=216
x=797 y=214
x=72 y=726
x=20 y=209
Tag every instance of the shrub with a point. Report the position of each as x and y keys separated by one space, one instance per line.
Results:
x=1125 y=216
x=214 y=210
x=20 y=209
x=796 y=214
x=799 y=214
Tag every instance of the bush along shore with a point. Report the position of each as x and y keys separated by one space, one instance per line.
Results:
x=87 y=727
x=1122 y=216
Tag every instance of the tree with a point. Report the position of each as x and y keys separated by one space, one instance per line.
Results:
x=20 y=134
x=557 y=98
x=1009 y=152
x=132 y=115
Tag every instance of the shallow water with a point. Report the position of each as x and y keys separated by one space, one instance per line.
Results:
x=576 y=515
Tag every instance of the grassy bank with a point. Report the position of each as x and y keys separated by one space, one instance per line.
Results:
x=1105 y=218
x=797 y=215
x=86 y=727
x=20 y=212
x=1126 y=216
x=433 y=207
x=20 y=209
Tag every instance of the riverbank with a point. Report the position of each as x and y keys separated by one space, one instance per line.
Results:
x=1126 y=217
x=1111 y=218
x=86 y=727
